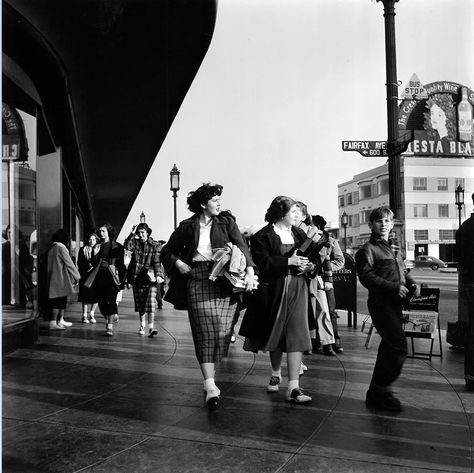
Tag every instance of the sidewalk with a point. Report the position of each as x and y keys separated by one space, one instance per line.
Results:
x=81 y=402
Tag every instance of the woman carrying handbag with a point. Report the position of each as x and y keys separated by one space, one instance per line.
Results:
x=110 y=274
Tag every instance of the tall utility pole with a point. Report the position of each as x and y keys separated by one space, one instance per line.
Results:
x=393 y=150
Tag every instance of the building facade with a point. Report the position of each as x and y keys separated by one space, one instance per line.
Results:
x=435 y=122
x=75 y=148
x=430 y=216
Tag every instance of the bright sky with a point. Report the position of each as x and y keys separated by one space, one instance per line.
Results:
x=282 y=84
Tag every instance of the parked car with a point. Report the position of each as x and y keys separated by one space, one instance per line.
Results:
x=425 y=261
x=409 y=264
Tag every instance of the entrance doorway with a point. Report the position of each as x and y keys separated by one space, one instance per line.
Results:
x=421 y=249
x=447 y=252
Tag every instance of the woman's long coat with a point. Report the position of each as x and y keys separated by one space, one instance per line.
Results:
x=62 y=271
x=273 y=268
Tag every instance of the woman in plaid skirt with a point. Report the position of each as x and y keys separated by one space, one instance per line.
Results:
x=187 y=258
x=145 y=273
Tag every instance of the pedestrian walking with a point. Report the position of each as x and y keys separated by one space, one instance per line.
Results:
x=188 y=260
x=84 y=264
x=331 y=252
x=322 y=337
x=382 y=271
x=276 y=319
x=62 y=275
x=145 y=273
x=108 y=276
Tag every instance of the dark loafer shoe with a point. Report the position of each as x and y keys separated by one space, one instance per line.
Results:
x=328 y=350
x=383 y=400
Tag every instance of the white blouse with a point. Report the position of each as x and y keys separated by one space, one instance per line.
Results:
x=286 y=235
x=204 y=249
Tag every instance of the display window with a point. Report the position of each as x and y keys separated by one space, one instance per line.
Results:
x=19 y=216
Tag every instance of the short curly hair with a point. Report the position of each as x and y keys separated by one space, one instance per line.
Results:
x=109 y=228
x=279 y=207
x=202 y=195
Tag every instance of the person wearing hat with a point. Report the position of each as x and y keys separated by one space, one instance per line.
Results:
x=145 y=273
x=336 y=258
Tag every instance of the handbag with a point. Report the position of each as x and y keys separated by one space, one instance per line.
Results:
x=91 y=278
x=177 y=293
x=115 y=275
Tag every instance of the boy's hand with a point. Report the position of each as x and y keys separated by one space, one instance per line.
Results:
x=402 y=292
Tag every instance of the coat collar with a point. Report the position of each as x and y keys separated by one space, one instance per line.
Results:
x=194 y=220
x=298 y=234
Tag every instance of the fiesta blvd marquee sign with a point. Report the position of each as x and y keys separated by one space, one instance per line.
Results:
x=437 y=118
x=441 y=116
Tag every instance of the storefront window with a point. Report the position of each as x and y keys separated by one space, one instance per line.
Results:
x=19 y=217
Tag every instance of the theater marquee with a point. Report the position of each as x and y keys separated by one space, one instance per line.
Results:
x=442 y=121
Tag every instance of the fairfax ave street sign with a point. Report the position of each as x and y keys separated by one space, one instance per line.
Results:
x=366 y=148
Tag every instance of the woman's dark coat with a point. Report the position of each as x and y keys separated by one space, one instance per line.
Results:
x=115 y=257
x=263 y=304
x=183 y=244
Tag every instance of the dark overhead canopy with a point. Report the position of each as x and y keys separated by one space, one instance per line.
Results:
x=111 y=75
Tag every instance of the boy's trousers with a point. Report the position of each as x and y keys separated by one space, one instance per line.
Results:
x=392 y=352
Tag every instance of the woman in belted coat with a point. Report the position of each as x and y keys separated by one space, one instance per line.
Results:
x=110 y=276
x=187 y=258
x=276 y=319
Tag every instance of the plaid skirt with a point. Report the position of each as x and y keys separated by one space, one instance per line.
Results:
x=145 y=299
x=211 y=309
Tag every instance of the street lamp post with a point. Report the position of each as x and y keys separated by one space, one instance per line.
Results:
x=174 y=186
x=394 y=166
x=344 y=222
x=459 y=200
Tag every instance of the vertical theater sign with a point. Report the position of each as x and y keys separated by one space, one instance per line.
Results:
x=440 y=114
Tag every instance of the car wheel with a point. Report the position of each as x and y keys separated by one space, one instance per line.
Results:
x=434 y=267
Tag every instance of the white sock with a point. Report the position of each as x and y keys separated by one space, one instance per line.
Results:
x=277 y=373
x=293 y=384
x=92 y=313
x=209 y=384
x=150 y=325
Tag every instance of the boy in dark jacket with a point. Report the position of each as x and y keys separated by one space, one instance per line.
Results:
x=382 y=271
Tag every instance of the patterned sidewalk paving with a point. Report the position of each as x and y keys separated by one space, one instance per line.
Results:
x=78 y=401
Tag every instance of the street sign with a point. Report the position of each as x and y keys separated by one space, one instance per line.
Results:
x=366 y=148
x=414 y=90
